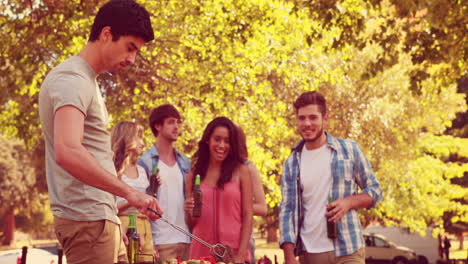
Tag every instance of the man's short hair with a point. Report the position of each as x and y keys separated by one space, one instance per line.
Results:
x=309 y=98
x=125 y=18
x=159 y=114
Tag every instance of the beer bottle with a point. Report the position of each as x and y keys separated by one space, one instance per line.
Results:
x=154 y=185
x=133 y=242
x=331 y=226
x=197 y=197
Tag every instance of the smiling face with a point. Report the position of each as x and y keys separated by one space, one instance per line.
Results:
x=311 y=125
x=219 y=144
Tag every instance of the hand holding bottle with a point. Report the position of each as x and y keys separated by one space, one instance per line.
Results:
x=339 y=208
x=197 y=198
x=189 y=204
x=155 y=182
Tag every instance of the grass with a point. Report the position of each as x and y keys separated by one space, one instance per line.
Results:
x=456 y=253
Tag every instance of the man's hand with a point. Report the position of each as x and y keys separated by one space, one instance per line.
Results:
x=289 y=257
x=339 y=208
x=143 y=201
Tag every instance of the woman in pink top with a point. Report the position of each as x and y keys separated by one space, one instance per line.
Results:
x=226 y=216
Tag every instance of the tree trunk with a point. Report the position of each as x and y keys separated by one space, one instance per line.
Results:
x=9 y=229
x=272 y=235
x=460 y=239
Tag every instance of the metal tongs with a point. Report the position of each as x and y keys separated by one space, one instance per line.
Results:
x=218 y=250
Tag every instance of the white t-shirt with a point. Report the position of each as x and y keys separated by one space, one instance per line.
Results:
x=140 y=183
x=316 y=181
x=171 y=200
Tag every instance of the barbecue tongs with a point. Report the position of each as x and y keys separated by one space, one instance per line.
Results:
x=218 y=250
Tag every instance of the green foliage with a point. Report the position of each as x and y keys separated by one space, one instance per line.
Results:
x=445 y=147
x=38 y=217
x=20 y=183
x=16 y=174
x=388 y=69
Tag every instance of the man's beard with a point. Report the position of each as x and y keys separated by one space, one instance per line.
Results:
x=170 y=138
x=319 y=134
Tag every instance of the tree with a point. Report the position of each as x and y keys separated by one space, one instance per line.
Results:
x=433 y=32
x=16 y=181
x=455 y=221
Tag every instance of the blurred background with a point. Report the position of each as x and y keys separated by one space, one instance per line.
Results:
x=394 y=73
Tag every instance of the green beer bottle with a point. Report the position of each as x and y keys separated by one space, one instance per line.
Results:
x=331 y=226
x=197 y=197
x=154 y=185
x=133 y=242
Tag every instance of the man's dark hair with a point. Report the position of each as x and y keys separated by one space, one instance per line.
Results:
x=125 y=18
x=309 y=98
x=159 y=114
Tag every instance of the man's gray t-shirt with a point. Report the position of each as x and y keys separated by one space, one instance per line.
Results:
x=73 y=83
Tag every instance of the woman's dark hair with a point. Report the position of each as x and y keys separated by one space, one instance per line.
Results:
x=201 y=158
x=242 y=141
x=125 y=18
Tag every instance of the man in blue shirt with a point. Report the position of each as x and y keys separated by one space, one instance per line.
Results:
x=173 y=168
x=320 y=168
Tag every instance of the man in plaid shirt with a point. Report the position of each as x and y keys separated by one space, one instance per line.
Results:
x=323 y=167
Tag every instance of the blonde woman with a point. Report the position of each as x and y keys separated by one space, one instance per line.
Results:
x=127 y=144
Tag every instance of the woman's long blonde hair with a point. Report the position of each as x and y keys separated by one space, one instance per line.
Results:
x=124 y=144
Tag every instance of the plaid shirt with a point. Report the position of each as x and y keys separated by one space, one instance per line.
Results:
x=350 y=169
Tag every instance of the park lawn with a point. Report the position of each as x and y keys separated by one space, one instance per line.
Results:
x=456 y=253
x=459 y=254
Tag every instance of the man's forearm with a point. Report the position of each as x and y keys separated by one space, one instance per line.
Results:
x=358 y=201
x=288 y=250
x=288 y=247
x=82 y=165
